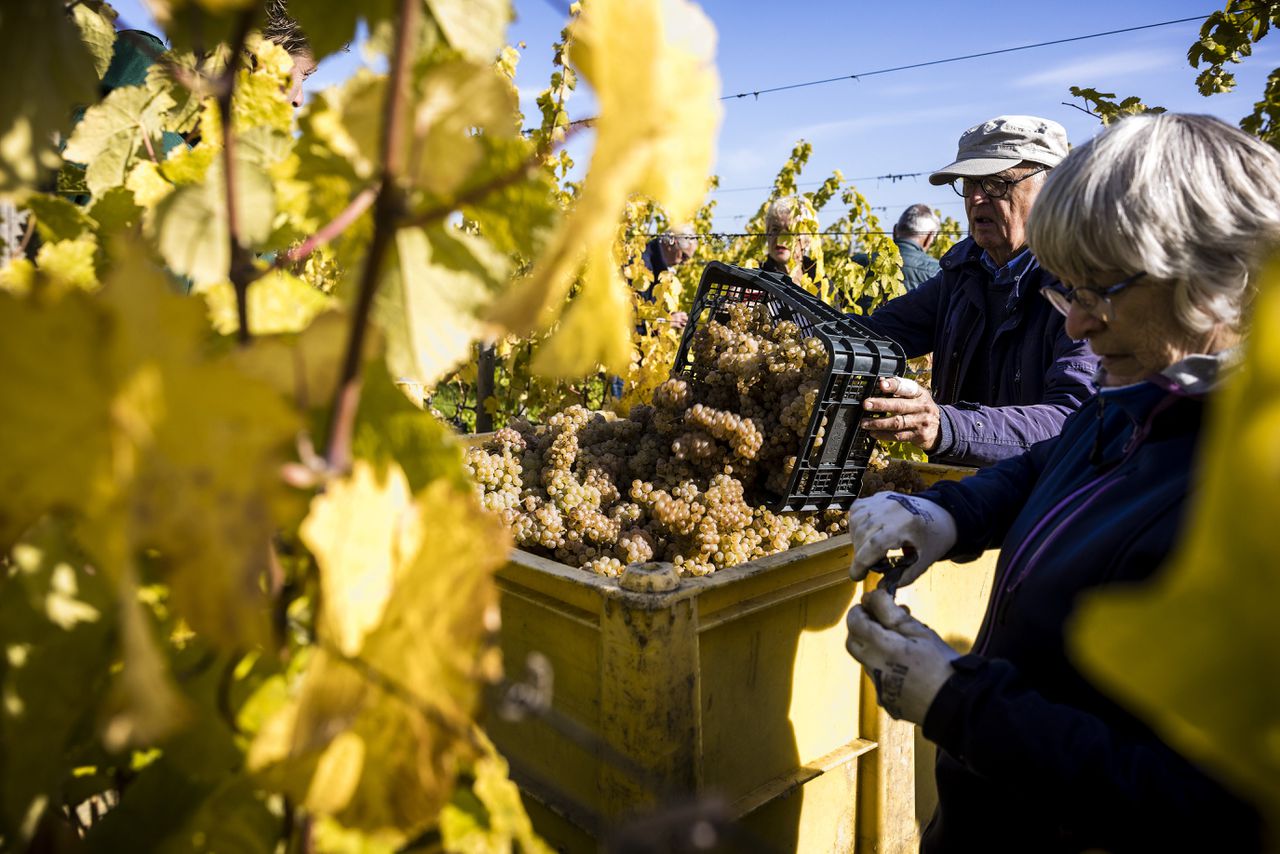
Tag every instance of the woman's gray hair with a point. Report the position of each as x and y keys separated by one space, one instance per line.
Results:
x=1187 y=199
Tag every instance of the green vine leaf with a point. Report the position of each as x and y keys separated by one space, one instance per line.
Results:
x=113 y=134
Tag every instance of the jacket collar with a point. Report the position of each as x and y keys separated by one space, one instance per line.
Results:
x=1194 y=376
x=969 y=253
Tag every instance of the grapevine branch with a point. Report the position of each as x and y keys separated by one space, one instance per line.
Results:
x=388 y=209
x=340 y=223
x=242 y=271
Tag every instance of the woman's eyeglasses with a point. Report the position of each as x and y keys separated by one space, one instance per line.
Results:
x=1096 y=301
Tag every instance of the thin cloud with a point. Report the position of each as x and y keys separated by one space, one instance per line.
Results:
x=876 y=121
x=1096 y=70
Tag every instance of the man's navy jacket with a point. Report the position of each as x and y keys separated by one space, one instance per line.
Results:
x=1036 y=377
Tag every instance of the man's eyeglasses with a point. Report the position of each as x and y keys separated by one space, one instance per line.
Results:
x=992 y=187
x=1096 y=301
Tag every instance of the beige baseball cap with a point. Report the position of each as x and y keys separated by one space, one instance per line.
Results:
x=1002 y=142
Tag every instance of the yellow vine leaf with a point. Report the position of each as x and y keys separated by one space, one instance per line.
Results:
x=98 y=33
x=439 y=280
x=56 y=400
x=409 y=689
x=70 y=262
x=596 y=328
x=197 y=449
x=1193 y=650
x=356 y=531
x=148 y=184
x=279 y=303
x=259 y=99
x=153 y=442
x=452 y=100
x=302 y=368
x=650 y=64
x=474 y=28
x=490 y=817
x=41 y=47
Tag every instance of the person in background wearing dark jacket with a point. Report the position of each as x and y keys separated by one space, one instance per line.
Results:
x=667 y=250
x=1157 y=228
x=913 y=234
x=1005 y=372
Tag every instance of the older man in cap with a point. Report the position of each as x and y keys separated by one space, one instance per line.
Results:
x=1005 y=373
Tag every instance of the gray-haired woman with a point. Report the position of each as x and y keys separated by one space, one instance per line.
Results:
x=1155 y=228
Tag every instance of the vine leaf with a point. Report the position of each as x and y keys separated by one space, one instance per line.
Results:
x=97 y=30
x=146 y=706
x=650 y=66
x=330 y=25
x=454 y=99
x=158 y=445
x=427 y=306
x=70 y=262
x=490 y=816
x=115 y=132
x=302 y=368
x=356 y=532
x=55 y=626
x=475 y=28
x=41 y=47
x=56 y=403
x=191 y=222
x=408 y=695
x=391 y=431
x=1207 y=619
x=596 y=328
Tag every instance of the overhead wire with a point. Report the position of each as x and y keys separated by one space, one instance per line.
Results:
x=858 y=76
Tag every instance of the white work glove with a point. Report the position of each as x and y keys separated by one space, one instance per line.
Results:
x=906 y=659
x=891 y=520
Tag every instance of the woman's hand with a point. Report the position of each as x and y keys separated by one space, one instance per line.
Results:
x=890 y=520
x=906 y=659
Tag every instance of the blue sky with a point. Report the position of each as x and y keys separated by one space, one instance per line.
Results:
x=906 y=121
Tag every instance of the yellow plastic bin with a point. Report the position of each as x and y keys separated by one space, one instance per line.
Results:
x=736 y=684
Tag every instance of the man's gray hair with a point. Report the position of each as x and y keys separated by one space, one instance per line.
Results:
x=918 y=221
x=1188 y=199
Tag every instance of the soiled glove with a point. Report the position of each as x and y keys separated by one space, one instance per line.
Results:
x=890 y=520
x=906 y=659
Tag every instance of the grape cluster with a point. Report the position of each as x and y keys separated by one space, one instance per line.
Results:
x=684 y=479
x=889 y=475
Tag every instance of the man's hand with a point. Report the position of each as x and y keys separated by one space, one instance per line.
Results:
x=907 y=415
x=678 y=319
x=906 y=659
x=890 y=520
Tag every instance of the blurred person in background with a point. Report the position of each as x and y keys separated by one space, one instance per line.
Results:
x=665 y=252
x=1005 y=372
x=1156 y=228
x=786 y=251
x=913 y=234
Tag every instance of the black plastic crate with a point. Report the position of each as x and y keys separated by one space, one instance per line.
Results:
x=830 y=475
